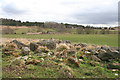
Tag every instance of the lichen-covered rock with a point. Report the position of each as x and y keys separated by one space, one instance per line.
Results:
x=108 y=56
x=33 y=46
x=41 y=49
x=67 y=41
x=93 y=57
x=19 y=44
x=25 y=50
x=50 y=44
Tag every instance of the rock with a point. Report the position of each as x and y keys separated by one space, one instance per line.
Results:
x=41 y=49
x=42 y=59
x=78 y=48
x=67 y=41
x=42 y=43
x=81 y=60
x=95 y=58
x=51 y=44
x=105 y=48
x=108 y=56
x=50 y=53
x=11 y=47
x=33 y=46
x=25 y=58
x=87 y=53
x=102 y=51
x=83 y=45
x=19 y=44
x=74 y=60
x=59 y=41
x=116 y=48
x=25 y=50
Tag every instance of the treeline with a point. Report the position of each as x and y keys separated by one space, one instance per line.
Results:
x=54 y=25
x=11 y=22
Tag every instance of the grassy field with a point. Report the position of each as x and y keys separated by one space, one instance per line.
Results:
x=107 y=39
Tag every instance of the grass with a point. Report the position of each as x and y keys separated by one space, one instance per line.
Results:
x=107 y=39
x=48 y=69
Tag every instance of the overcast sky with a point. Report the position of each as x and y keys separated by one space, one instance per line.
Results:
x=87 y=12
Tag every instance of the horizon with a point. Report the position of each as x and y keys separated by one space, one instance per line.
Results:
x=96 y=13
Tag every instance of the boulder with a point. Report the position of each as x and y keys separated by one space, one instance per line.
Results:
x=25 y=50
x=42 y=43
x=41 y=49
x=83 y=45
x=67 y=41
x=95 y=58
x=108 y=56
x=19 y=44
x=50 y=44
x=33 y=46
x=107 y=49
x=59 y=41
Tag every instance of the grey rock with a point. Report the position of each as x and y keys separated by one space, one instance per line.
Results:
x=33 y=46
x=42 y=43
x=83 y=45
x=108 y=56
x=25 y=50
x=19 y=44
x=95 y=58
x=50 y=44
x=106 y=48
x=58 y=42
x=67 y=41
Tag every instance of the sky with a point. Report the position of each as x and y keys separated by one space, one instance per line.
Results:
x=102 y=13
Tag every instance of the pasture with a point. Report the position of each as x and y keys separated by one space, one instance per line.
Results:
x=97 y=39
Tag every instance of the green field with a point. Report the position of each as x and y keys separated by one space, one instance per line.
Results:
x=107 y=39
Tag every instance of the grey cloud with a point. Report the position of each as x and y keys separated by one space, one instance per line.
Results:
x=12 y=9
x=94 y=17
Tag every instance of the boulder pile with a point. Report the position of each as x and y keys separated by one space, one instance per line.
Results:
x=63 y=51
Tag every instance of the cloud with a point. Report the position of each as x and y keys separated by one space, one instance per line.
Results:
x=12 y=9
x=71 y=11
